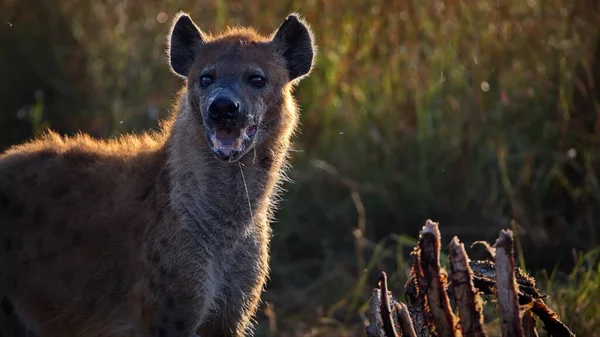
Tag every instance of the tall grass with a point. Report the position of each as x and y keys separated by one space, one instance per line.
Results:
x=475 y=114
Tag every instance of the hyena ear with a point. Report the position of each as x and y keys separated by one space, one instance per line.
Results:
x=295 y=41
x=184 y=41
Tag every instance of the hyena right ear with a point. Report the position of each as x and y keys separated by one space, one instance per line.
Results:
x=184 y=41
x=294 y=39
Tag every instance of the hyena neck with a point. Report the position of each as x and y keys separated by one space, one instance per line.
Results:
x=220 y=201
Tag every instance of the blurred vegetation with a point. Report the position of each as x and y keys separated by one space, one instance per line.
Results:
x=481 y=115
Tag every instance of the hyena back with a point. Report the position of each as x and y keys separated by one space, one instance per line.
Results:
x=165 y=233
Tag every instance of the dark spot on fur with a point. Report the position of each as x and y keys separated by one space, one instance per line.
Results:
x=155 y=257
x=266 y=161
x=49 y=258
x=18 y=245
x=162 y=273
x=138 y=230
x=4 y=202
x=163 y=242
x=105 y=237
x=91 y=303
x=68 y=276
x=162 y=286
x=60 y=191
x=162 y=332
x=152 y=284
x=15 y=209
x=11 y=282
x=167 y=272
x=180 y=325
x=164 y=319
x=119 y=284
x=170 y=302
x=7 y=307
x=78 y=158
x=8 y=245
x=77 y=238
x=18 y=328
x=147 y=192
x=46 y=154
x=38 y=217
x=59 y=230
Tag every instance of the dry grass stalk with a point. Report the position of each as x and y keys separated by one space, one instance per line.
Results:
x=528 y=323
x=419 y=309
x=388 y=316
x=435 y=287
x=552 y=323
x=429 y=312
x=388 y=322
x=469 y=304
x=404 y=320
x=506 y=285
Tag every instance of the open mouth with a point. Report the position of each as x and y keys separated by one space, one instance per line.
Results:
x=229 y=144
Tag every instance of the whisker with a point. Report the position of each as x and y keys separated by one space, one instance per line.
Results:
x=246 y=188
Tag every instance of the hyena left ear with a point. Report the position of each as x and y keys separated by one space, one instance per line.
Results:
x=184 y=41
x=294 y=40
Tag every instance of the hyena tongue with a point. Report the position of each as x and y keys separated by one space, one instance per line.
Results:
x=227 y=136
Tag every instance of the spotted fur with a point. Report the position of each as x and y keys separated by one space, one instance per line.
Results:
x=151 y=235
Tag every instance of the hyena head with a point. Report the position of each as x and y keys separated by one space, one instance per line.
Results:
x=238 y=82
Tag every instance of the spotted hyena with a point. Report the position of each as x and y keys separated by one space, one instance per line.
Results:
x=164 y=233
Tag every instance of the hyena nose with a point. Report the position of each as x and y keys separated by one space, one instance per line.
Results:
x=223 y=107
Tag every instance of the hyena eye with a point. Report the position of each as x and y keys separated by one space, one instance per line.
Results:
x=206 y=80
x=257 y=81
